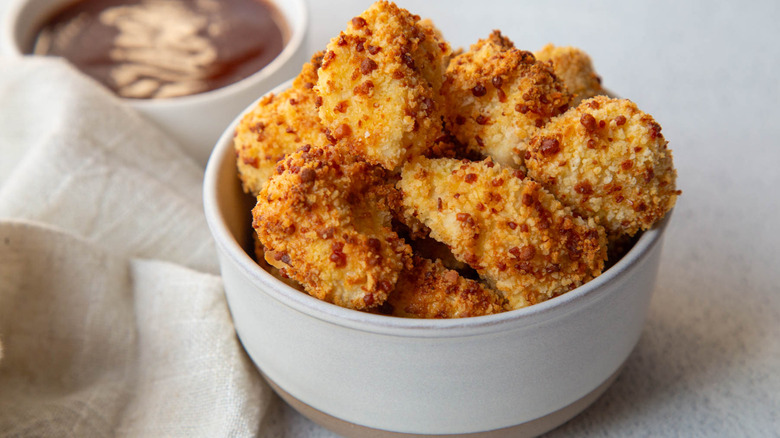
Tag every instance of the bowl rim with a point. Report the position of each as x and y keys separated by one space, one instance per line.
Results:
x=299 y=14
x=553 y=308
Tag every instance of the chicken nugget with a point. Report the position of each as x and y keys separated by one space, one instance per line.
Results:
x=429 y=290
x=608 y=160
x=575 y=69
x=278 y=125
x=515 y=234
x=497 y=96
x=378 y=84
x=325 y=221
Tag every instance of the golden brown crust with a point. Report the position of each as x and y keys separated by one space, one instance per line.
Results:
x=497 y=39
x=378 y=140
x=324 y=220
x=608 y=160
x=497 y=96
x=517 y=236
x=575 y=69
x=259 y=257
x=429 y=290
x=378 y=84
x=307 y=78
x=278 y=125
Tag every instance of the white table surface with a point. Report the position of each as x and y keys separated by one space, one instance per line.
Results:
x=708 y=362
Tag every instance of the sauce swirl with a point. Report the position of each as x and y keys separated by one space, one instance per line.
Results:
x=165 y=48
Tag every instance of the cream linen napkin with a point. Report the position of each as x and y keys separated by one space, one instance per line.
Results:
x=111 y=318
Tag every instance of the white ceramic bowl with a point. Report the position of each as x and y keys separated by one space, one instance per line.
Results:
x=518 y=373
x=195 y=121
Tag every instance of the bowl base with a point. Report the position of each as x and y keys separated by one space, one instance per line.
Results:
x=531 y=428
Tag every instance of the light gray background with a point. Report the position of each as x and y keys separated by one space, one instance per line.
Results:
x=708 y=363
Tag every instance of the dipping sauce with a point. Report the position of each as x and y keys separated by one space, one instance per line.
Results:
x=165 y=48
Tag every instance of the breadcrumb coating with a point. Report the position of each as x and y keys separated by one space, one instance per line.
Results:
x=497 y=97
x=370 y=190
x=278 y=125
x=430 y=290
x=574 y=67
x=515 y=234
x=378 y=85
x=259 y=257
x=324 y=220
x=608 y=160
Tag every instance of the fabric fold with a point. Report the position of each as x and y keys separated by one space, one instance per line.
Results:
x=91 y=165
x=112 y=320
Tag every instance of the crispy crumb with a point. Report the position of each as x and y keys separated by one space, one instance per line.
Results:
x=325 y=221
x=379 y=84
x=429 y=290
x=259 y=257
x=521 y=240
x=497 y=96
x=574 y=67
x=607 y=160
x=278 y=125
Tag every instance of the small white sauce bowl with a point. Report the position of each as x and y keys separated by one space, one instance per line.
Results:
x=195 y=121
x=514 y=374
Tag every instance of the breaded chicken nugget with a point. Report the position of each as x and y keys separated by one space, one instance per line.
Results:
x=325 y=222
x=517 y=236
x=429 y=290
x=606 y=159
x=575 y=69
x=277 y=126
x=378 y=84
x=497 y=96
